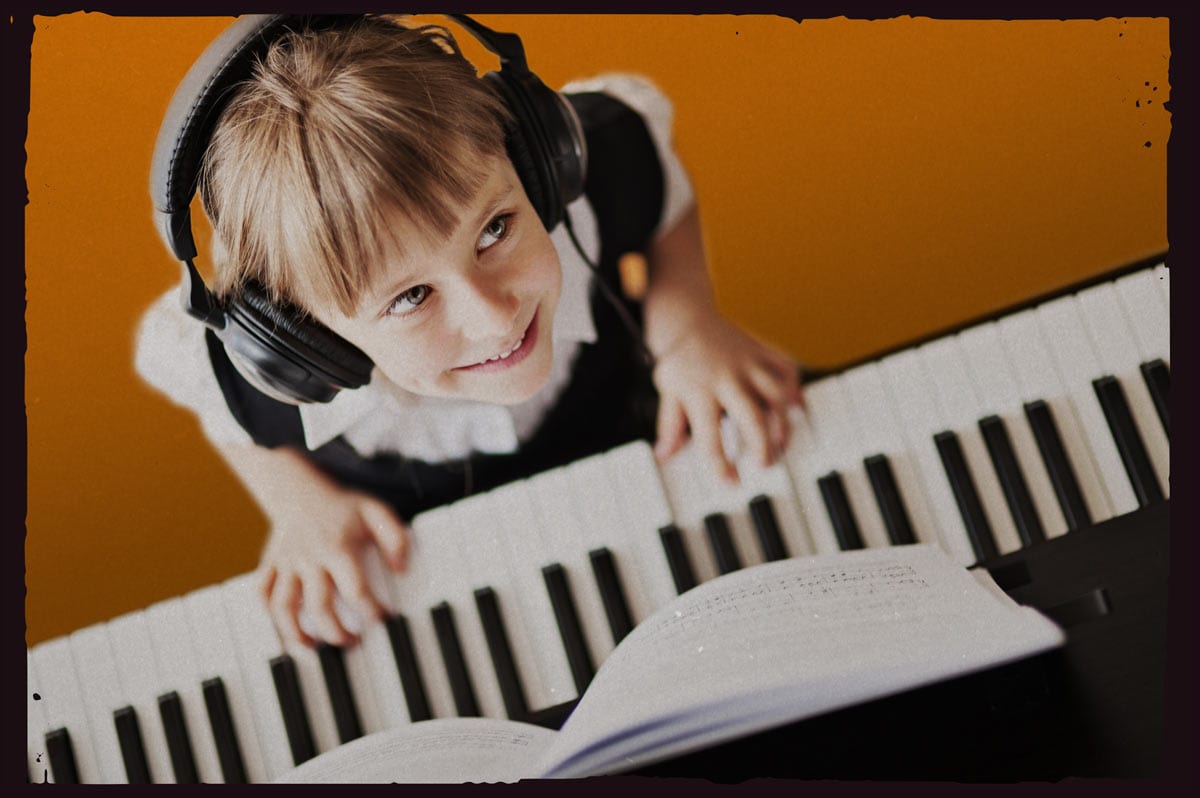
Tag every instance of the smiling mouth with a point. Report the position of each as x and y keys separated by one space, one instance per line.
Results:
x=513 y=355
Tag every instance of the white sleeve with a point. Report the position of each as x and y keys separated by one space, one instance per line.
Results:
x=172 y=357
x=658 y=113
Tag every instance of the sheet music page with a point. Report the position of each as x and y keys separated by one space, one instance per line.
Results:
x=785 y=640
x=448 y=750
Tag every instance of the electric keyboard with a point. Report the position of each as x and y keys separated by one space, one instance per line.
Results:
x=1019 y=435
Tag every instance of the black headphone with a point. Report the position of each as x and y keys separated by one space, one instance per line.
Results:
x=278 y=348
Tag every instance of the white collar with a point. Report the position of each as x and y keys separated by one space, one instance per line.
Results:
x=573 y=325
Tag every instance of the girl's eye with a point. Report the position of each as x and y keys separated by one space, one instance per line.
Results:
x=409 y=300
x=497 y=229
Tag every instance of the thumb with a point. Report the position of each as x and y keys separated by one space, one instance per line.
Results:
x=388 y=532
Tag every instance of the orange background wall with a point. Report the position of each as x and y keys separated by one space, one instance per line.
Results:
x=862 y=183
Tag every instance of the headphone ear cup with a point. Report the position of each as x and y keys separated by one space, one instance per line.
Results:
x=523 y=162
x=292 y=353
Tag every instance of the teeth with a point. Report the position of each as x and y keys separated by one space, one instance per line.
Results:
x=509 y=352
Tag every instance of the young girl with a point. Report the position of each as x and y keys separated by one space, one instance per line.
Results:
x=366 y=180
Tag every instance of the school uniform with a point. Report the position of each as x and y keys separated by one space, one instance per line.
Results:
x=419 y=452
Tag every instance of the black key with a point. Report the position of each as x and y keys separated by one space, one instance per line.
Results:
x=616 y=608
x=682 y=572
x=979 y=531
x=1129 y=442
x=1054 y=455
x=1158 y=380
x=891 y=503
x=456 y=664
x=509 y=678
x=408 y=669
x=767 y=527
x=291 y=705
x=179 y=743
x=837 y=504
x=1012 y=481
x=721 y=543
x=220 y=718
x=62 y=757
x=133 y=754
x=337 y=682
x=569 y=627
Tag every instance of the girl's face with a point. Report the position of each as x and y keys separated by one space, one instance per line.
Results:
x=470 y=317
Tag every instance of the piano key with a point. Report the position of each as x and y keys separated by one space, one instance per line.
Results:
x=37 y=763
x=179 y=743
x=979 y=530
x=256 y=644
x=371 y=665
x=841 y=514
x=721 y=543
x=963 y=406
x=224 y=732
x=511 y=690
x=1118 y=354
x=689 y=504
x=1163 y=275
x=604 y=525
x=1067 y=337
x=1058 y=465
x=174 y=652
x=408 y=669
x=1158 y=382
x=413 y=592
x=635 y=478
x=133 y=654
x=806 y=463
x=217 y=658
x=310 y=676
x=548 y=681
x=133 y=745
x=1039 y=381
x=461 y=686
x=920 y=417
x=62 y=706
x=292 y=708
x=1016 y=492
x=1148 y=313
x=612 y=592
x=766 y=524
x=62 y=756
x=1129 y=443
x=570 y=629
x=875 y=414
x=997 y=386
x=474 y=538
x=341 y=697
x=551 y=496
x=832 y=420
x=891 y=504
x=682 y=575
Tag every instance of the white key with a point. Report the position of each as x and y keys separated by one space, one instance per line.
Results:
x=806 y=463
x=554 y=506
x=602 y=524
x=217 y=657
x=134 y=658
x=416 y=592
x=1163 y=275
x=921 y=417
x=361 y=673
x=1148 y=314
x=525 y=553
x=880 y=430
x=1064 y=329
x=177 y=660
x=391 y=707
x=471 y=538
x=62 y=704
x=689 y=504
x=996 y=384
x=256 y=644
x=38 y=760
x=635 y=476
x=1118 y=353
x=1038 y=378
x=828 y=413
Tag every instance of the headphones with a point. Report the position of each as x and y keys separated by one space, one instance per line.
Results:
x=278 y=348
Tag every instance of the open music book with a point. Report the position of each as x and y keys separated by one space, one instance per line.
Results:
x=748 y=651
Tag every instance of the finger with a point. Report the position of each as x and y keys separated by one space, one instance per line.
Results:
x=704 y=419
x=750 y=420
x=672 y=428
x=318 y=607
x=352 y=586
x=778 y=396
x=284 y=607
x=389 y=534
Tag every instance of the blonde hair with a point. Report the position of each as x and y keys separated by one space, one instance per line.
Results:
x=336 y=133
